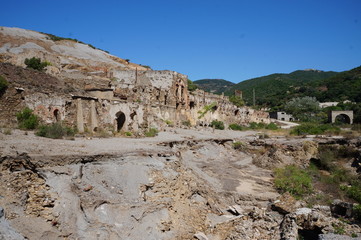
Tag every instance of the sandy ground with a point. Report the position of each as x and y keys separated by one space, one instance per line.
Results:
x=19 y=142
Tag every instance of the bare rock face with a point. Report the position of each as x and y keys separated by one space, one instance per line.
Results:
x=278 y=155
x=285 y=204
x=6 y=231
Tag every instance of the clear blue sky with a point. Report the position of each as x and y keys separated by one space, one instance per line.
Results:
x=230 y=39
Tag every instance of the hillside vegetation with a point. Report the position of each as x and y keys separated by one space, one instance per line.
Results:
x=217 y=86
x=269 y=88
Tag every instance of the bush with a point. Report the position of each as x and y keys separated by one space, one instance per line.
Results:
x=128 y=134
x=272 y=126
x=238 y=145
x=3 y=83
x=152 y=132
x=314 y=129
x=55 y=131
x=293 y=180
x=187 y=123
x=357 y=211
x=36 y=63
x=217 y=124
x=27 y=120
x=169 y=123
x=236 y=127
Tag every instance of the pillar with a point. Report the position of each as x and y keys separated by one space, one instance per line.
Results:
x=79 y=116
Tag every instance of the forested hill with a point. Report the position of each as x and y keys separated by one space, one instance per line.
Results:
x=343 y=86
x=214 y=85
x=274 y=89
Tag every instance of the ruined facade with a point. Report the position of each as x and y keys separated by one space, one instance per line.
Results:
x=93 y=90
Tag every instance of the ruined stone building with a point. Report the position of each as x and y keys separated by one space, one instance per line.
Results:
x=93 y=90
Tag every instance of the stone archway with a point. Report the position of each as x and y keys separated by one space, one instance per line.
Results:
x=344 y=116
x=120 y=120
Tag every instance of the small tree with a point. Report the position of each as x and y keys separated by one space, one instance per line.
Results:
x=191 y=86
x=304 y=108
x=35 y=63
x=236 y=100
x=27 y=119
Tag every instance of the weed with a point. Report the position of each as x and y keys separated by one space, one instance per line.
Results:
x=217 y=124
x=211 y=107
x=152 y=132
x=128 y=134
x=236 y=127
x=187 y=123
x=169 y=123
x=238 y=145
x=294 y=180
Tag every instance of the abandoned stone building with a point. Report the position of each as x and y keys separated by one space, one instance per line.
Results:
x=91 y=89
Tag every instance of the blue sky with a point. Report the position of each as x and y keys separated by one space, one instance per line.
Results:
x=229 y=39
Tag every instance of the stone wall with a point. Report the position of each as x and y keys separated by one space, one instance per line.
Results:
x=130 y=100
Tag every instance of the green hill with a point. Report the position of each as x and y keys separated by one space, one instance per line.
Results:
x=214 y=85
x=275 y=89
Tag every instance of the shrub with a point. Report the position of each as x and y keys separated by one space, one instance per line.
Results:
x=187 y=123
x=272 y=126
x=3 y=83
x=357 y=211
x=293 y=180
x=236 y=100
x=55 y=131
x=26 y=119
x=152 y=132
x=217 y=124
x=314 y=129
x=191 y=86
x=36 y=63
x=236 y=127
x=254 y=125
x=169 y=123
x=128 y=134
x=211 y=107
x=238 y=145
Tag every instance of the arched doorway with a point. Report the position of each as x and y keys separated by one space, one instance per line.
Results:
x=342 y=118
x=56 y=115
x=120 y=120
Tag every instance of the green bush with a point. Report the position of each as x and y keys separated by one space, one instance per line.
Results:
x=3 y=83
x=191 y=86
x=236 y=127
x=272 y=126
x=128 y=134
x=187 y=123
x=36 y=63
x=238 y=145
x=236 y=100
x=294 y=180
x=55 y=131
x=254 y=125
x=152 y=132
x=357 y=211
x=27 y=120
x=217 y=124
x=314 y=129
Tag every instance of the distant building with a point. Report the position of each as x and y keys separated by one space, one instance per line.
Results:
x=282 y=116
x=328 y=104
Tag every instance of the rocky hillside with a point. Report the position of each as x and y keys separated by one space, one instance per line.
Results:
x=217 y=86
x=17 y=44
